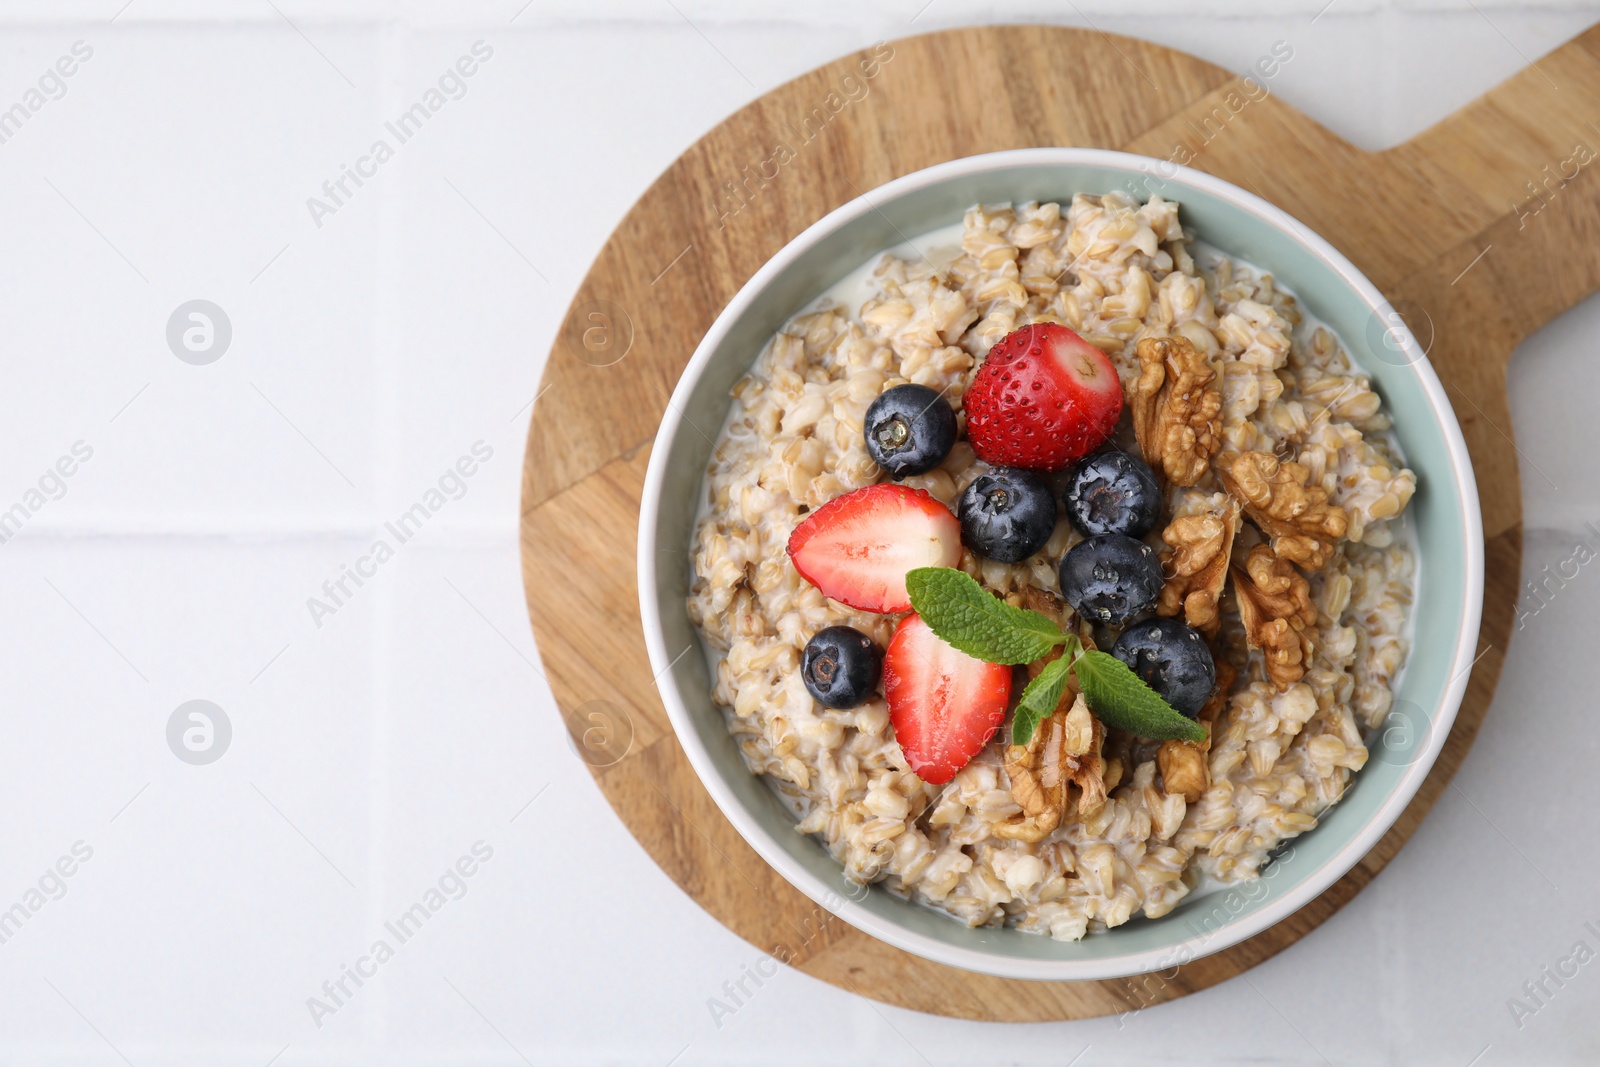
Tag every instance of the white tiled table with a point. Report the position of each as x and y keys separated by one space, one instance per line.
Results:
x=372 y=752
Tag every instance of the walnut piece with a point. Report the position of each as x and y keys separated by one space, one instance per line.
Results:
x=1183 y=763
x=1065 y=751
x=1278 y=616
x=1066 y=747
x=1183 y=769
x=1303 y=526
x=1177 y=408
x=1089 y=770
x=1200 y=547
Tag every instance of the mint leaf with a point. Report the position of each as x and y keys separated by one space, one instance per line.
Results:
x=959 y=610
x=1120 y=698
x=1039 y=700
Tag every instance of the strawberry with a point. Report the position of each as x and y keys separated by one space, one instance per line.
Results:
x=1042 y=398
x=858 y=547
x=944 y=705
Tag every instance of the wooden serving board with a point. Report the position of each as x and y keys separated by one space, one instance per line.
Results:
x=1447 y=225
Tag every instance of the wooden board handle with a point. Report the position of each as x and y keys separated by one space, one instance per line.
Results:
x=1519 y=171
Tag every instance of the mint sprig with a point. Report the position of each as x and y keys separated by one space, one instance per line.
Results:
x=1120 y=698
x=1039 y=700
x=974 y=621
x=979 y=624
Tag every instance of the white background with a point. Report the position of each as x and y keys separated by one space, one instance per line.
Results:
x=371 y=752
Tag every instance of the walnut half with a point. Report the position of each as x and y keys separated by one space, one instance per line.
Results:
x=1065 y=750
x=1176 y=407
x=1279 y=498
x=1197 y=561
x=1278 y=616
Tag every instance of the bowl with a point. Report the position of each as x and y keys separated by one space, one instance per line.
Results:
x=1444 y=515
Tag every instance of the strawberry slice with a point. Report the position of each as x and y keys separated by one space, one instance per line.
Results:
x=1042 y=398
x=944 y=705
x=858 y=547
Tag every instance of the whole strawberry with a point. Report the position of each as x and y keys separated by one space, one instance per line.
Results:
x=1042 y=398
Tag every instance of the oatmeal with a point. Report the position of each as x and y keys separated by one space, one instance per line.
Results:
x=1281 y=542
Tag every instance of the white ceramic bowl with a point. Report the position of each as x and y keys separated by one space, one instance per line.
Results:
x=1444 y=514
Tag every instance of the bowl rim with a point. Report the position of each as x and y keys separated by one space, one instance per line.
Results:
x=1190 y=948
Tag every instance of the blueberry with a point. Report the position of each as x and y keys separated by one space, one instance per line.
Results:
x=1111 y=579
x=1007 y=514
x=909 y=430
x=1113 y=492
x=841 y=667
x=1172 y=659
